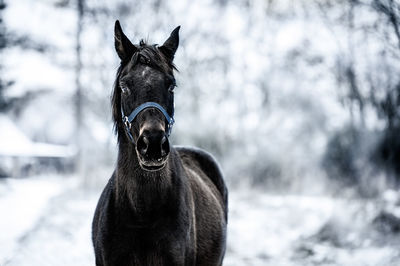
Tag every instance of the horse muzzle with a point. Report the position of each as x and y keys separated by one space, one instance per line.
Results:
x=153 y=149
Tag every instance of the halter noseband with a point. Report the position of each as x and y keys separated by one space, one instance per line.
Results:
x=128 y=119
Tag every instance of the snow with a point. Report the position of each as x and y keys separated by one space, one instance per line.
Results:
x=37 y=18
x=62 y=235
x=45 y=25
x=22 y=204
x=12 y=140
x=272 y=211
x=49 y=223
x=14 y=143
x=27 y=70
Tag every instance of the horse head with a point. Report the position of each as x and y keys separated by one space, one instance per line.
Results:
x=143 y=97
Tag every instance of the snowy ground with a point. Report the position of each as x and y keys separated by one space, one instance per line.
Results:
x=46 y=221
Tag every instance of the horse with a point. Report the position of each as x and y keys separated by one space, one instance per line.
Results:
x=163 y=205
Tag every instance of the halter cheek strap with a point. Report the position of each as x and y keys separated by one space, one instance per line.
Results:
x=128 y=119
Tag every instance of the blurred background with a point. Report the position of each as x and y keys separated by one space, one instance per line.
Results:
x=299 y=100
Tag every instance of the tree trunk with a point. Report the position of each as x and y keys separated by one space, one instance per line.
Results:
x=78 y=95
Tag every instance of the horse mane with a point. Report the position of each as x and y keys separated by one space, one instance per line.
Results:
x=145 y=54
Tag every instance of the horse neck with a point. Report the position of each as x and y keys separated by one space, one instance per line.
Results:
x=144 y=190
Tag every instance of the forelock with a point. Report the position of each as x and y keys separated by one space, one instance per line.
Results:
x=150 y=55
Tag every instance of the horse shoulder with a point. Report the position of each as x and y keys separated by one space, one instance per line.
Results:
x=209 y=166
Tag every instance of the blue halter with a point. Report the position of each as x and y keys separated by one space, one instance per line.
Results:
x=128 y=119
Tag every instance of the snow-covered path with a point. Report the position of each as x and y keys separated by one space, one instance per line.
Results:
x=48 y=223
x=303 y=230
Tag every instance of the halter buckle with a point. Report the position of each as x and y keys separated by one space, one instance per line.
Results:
x=128 y=124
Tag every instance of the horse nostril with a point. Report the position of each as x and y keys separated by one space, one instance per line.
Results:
x=143 y=145
x=164 y=146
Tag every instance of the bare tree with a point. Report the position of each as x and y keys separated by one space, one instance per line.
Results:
x=78 y=98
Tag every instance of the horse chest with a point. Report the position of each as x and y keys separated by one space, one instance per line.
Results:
x=163 y=221
x=143 y=251
x=155 y=243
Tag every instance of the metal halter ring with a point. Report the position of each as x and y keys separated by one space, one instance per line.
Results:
x=128 y=124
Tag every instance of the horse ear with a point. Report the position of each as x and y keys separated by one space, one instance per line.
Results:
x=123 y=45
x=171 y=44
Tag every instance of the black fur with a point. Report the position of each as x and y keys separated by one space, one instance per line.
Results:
x=176 y=215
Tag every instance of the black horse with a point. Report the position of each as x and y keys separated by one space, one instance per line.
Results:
x=163 y=205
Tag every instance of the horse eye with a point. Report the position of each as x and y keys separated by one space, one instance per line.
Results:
x=124 y=89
